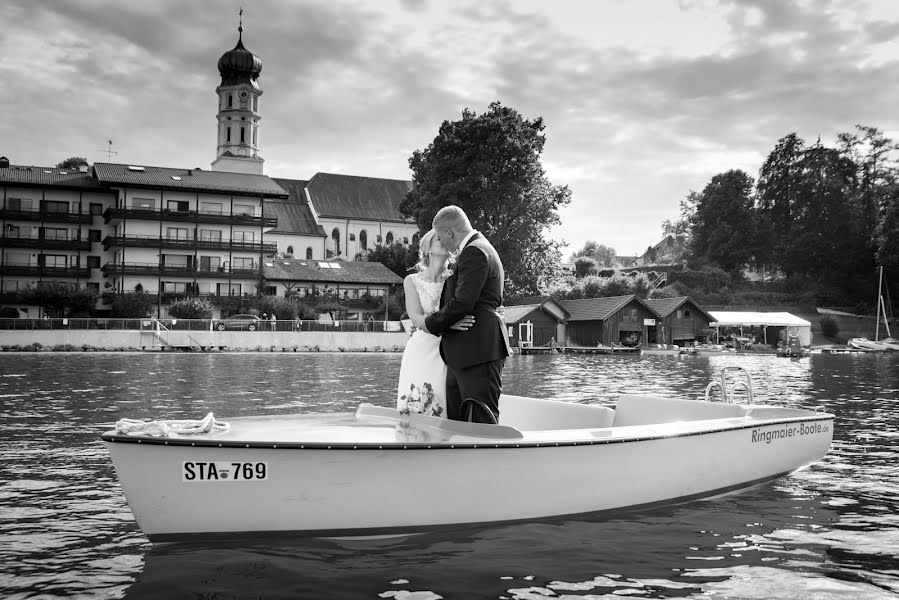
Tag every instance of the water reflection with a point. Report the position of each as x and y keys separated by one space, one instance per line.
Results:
x=830 y=530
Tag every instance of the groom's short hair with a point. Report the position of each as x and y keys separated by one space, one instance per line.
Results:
x=451 y=216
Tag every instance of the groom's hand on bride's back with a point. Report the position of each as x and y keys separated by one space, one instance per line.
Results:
x=463 y=324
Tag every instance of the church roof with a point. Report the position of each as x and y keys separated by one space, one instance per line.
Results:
x=327 y=271
x=48 y=177
x=354 y=197
x=294 y=214
x=192 y=180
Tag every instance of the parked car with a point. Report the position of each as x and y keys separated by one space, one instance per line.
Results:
x=248 y=322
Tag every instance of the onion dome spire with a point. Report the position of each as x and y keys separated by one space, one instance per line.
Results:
x=239 y=65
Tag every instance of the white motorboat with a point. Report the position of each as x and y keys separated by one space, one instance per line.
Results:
x=377 y=471
x=868 y=345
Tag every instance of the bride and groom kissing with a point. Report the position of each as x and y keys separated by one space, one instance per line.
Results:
x=452 y=365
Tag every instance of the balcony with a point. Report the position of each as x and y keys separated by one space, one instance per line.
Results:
x=153 y=241
x=46 y=216
x=191 y=271
x=39 y=242
x=187 y=216
x=70 y=272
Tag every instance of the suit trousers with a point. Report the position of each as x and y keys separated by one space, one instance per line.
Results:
x=482 y=382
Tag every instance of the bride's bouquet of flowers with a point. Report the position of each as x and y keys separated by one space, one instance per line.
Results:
x=421 y=400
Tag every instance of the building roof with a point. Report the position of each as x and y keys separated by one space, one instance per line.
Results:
x=665 y=306
x=727 y=318
x=353 y=197
x=599 y=309
x=48 y=177
x=294 y=215
x=190 y=180
x=540 y=301
x=321 y=271
x=513 y=314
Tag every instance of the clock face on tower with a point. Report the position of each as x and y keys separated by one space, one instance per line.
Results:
x=243 y=94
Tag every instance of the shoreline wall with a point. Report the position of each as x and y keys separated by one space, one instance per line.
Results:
x=324 y=341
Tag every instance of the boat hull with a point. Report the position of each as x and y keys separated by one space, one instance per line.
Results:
x=344 y=488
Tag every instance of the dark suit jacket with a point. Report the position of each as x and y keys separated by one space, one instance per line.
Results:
x=475 y=288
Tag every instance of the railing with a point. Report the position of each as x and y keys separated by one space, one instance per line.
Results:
x=198 y=216
x=155 y=241
x=22 y=241
x=179 y=270
x=45 y=215
x=41 y=270
x=150 y=324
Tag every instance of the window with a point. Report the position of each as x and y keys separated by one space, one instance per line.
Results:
x=224 y=289
x=354 y=294
x=211 y=208
x=255 y=103
x=242 y=263
x=176 y=233
x=255 y=131
x=93 y=262
x=210 y=263
x=230 y=100
x=406 y=241
x=228 y=135
x=13 y=231
x=679 y=314
x=178 y=261
x=244 y=209
x=335 y=242
x=290 y=250
x=174 y=287
x=96 y=209
x=93 y=285
x=211 y=235
x=389 y=237
x=270 y=290
x=54 y=233
x=243 y=135
x=363 y=240
x=93 y=235
x=23 y=204
x=52 y=260
x=179 y=205
x=54 y=206
x=686 y=313
x=309 y=252
x=143 y=204
x=243 y=236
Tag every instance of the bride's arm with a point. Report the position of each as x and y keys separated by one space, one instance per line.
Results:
x=413 y=303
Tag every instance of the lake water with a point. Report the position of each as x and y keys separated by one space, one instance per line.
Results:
x=828 y=531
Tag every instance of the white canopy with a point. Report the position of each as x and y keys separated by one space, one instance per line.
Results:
x=727 y=318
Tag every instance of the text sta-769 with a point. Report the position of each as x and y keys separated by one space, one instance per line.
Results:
x=223 y=471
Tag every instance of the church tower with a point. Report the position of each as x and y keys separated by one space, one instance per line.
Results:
x=238 y=110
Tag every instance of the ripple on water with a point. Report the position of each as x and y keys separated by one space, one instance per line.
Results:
x=827 y=531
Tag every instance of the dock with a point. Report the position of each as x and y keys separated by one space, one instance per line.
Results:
x=526 y=350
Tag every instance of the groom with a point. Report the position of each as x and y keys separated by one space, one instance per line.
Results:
x=474 y=357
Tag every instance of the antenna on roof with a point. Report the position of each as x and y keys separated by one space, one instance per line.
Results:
x=109 y=152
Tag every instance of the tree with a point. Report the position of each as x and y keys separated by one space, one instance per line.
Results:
x=73 y=162
x=601 y=254
x=584 y=266
x=397 y=257
x=489 y=165
x=191 y=308
x=60 y=299
x=133 y=305
x=723 y=225
x=887 y=233
x=778 y=184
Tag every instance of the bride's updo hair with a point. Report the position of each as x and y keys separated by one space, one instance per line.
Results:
x=424 y=249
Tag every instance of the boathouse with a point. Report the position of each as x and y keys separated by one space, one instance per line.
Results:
x=535 y=320
x=616 y=320
x=763 y=327
x=681 y=321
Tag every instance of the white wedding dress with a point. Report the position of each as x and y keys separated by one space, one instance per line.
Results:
x=422 y=385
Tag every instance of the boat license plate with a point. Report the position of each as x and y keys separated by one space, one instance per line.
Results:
x=193 y=471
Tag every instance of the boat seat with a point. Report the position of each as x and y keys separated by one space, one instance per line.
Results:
x=535 y=414
x=650 y=410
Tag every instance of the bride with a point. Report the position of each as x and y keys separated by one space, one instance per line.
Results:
x=422 y=384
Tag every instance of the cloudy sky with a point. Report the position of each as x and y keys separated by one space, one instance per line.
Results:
x=643 y=100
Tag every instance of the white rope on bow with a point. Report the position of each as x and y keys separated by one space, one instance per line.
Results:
x=171 y=427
